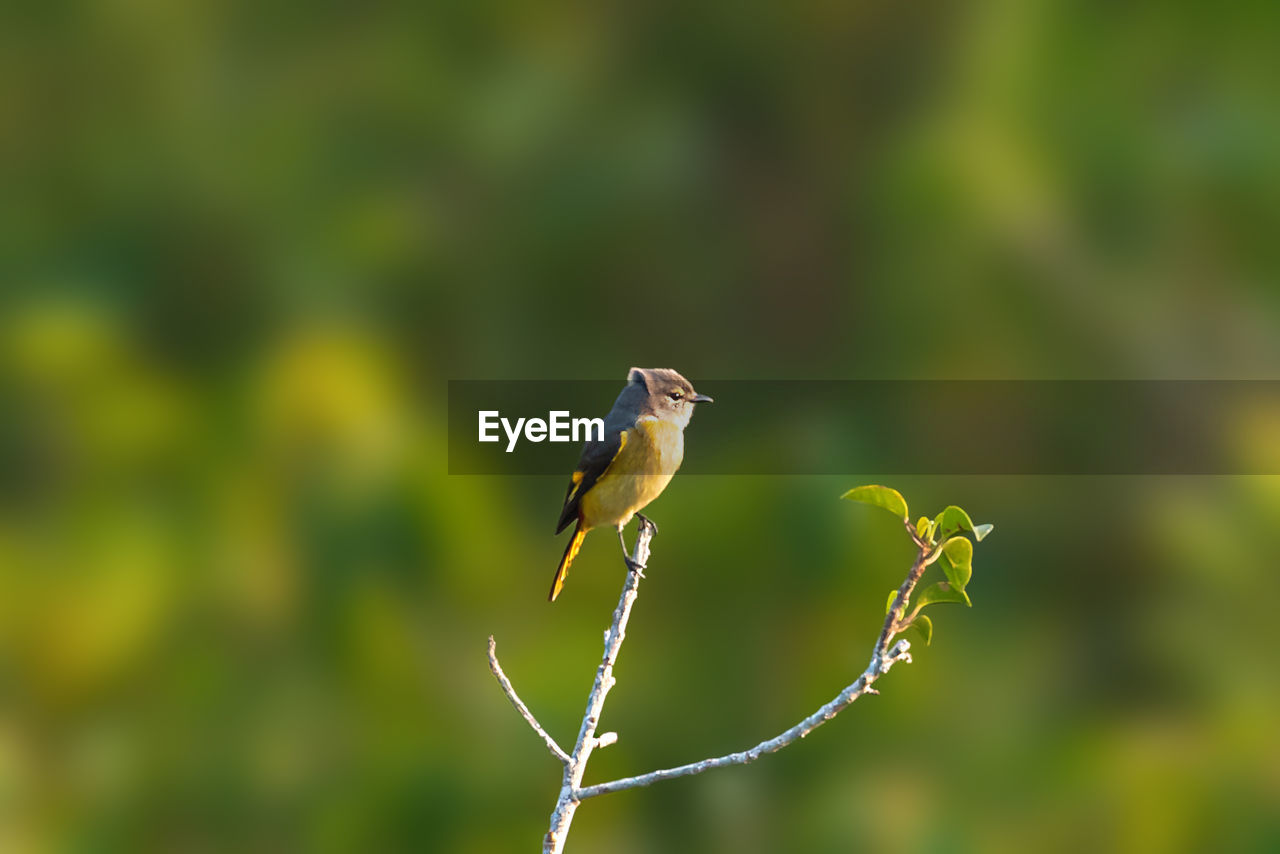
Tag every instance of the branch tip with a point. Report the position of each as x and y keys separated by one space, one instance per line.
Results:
x=509 y=690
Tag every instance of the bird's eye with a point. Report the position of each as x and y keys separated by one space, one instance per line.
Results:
x=674 y=395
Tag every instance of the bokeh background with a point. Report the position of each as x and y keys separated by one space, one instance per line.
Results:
x=244 y=607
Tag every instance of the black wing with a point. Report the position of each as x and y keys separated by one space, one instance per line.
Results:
x=596 y=459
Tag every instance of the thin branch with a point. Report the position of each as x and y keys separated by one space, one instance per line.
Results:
x=877 y=668
x=507 y=689
x=925 y=555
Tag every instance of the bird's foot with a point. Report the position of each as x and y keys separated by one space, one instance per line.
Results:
x=645 y=520
x=634 y=566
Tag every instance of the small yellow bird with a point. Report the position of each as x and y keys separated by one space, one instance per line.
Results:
x=643 y=446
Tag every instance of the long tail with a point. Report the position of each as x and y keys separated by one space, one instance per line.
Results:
x=570 y=552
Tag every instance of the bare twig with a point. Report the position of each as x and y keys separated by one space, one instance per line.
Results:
x=878 y=667
x=505 y=683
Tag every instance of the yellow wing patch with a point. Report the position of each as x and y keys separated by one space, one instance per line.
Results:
x=576 y=478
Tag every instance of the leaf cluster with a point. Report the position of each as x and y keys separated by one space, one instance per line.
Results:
x=947 y=539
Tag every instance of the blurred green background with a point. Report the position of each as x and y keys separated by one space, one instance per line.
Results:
x=244 y=607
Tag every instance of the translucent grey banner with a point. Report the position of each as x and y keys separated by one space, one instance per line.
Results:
x=897 y=427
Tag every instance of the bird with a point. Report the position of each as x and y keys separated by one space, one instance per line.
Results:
x=618 y=475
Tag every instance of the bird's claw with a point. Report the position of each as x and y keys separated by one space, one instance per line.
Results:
x=645 y=520
x=634 y=566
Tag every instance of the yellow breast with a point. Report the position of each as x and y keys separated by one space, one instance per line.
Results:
x=652 y=452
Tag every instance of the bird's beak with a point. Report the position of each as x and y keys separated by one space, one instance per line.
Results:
x=701 y=398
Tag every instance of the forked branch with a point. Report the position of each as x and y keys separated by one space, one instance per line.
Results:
x=572 y=792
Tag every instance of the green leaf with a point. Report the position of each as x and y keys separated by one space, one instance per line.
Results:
x=924 y=628
x=952 y=521
x=957 y=561
x=888 y=606
x=942 y=592
x=922 y=527
x=880 y=496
